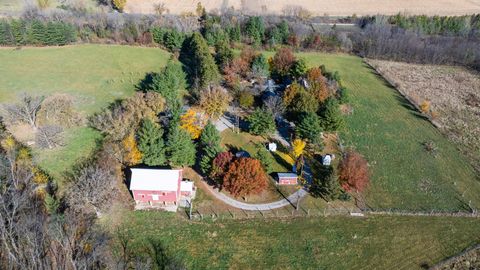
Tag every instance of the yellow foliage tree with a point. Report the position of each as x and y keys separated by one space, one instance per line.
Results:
x=39 y=177
x=119 y=4
x=297 y=147
x=190 y=122
x=132 y=155
x=9 y=143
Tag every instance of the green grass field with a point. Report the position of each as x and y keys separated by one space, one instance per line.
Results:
x=94 y=75
x=315 y=243
x=390 y=134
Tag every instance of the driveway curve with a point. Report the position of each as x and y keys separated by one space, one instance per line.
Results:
x=290 y=200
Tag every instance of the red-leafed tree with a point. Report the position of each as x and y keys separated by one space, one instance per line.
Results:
x=282 y=62
x=245 y=176
x=354 y=172
x=220 y=165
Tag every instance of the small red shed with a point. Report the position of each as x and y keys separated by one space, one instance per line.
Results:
x=287 y=178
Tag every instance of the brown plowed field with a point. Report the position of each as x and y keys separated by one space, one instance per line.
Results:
x=316 y=7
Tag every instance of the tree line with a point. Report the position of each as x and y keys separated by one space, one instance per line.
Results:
x=467 y=25
x=18 y=32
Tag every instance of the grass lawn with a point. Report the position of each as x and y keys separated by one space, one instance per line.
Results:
x=315 y=243
x=390 y=134
x=251 y=144
x=94 y=75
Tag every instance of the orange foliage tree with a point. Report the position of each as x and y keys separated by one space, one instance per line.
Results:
x=245 y=176
x=353 y=172
x=318 y=85
x=290 y=93
x=191 y=123
x=131 y=154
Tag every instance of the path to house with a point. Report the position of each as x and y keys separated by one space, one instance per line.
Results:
x=290 y=200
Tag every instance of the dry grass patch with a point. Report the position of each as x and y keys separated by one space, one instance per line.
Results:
x=453 y=94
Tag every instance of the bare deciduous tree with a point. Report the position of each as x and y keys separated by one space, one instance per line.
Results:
x=50 y=136
x=274 y=105
x=25 y=111
x=93 y=186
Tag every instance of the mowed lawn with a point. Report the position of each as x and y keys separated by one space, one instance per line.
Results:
x=390 y=134
x=94 y=75
x=313 y=243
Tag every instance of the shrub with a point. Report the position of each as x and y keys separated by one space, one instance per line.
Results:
x=343 y=96
x=246 y=99
x=425 y=106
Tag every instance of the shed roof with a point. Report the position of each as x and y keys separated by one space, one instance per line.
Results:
x=154 y=179
x=287 y=175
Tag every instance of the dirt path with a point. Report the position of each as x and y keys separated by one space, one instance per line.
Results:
x=316 y=7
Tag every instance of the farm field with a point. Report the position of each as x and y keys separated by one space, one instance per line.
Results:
x=93 y=75
x=452 y=93
x=316 y=7
x=333 y=243
x=385 y=128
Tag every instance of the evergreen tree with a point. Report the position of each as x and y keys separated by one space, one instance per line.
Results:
x=223 y=54
x=150 y=143
x=331 y=117
x=298 y=69
x=260 y=66
x=180 y=147
x=266 y=159
x=197 y=57
x=325 y=183
x=210 y=144
x=235 y=33
x=309 y=127
x=19 y=33
x=255 y=29
x=37 y=33
x=261 y=122
x=284 y=31
x=169 y=82
x=6 y=37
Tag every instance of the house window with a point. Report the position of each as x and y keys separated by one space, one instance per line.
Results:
x=155 y=197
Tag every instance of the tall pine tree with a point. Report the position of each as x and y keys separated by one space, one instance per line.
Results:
x=197 y=57
x=150 y=143
x=331 y=116
x=180 y=147
x=210 y=144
